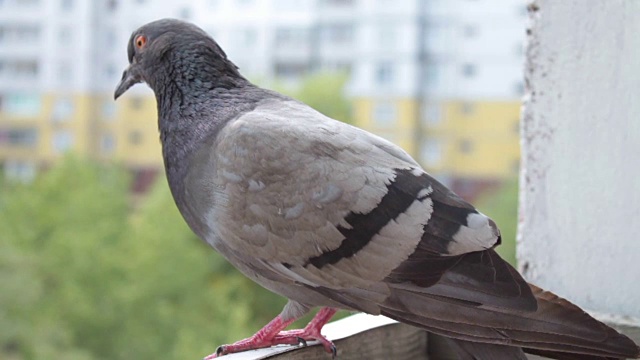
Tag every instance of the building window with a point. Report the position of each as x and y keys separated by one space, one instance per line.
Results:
x=66 y=5
x=20 y=170
x=431 y=152
x=19 y=33
x=288 y=5
x=289 y=37
x=29 y=33
x=283 y=36
x=384 y=114
x=135 y=137
x=518 y=88
x=432 y=75
x=22 y=69
x=469 y=70
x=185 y=13
x=248 y=37
x=65 y=36
x=518 y=49
x=338 y=2
x=431 y=114
x=387 y=36
x=111 y=39
x=338 y=33
x=108 y=109
x=22 y=104
x=20 y=137
x=288 y=70
x=62 y=110
x=470 y=31
x=107 y=144
x=62 y=141
x=136 y=103
x=112 y=5
x=336 y=66
x=465 y=146
x=384 y=73
x=467 y=108
x=28 y=2
x=27 y=68
x=110 y=71
x=64 y=73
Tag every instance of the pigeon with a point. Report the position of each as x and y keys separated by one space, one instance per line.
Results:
x=333 y=217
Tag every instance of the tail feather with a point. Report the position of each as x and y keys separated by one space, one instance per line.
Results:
x=557 y=327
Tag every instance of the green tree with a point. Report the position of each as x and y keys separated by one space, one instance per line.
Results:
x=323 y=92
x=86 y=276
x=59 y=234
x=502 y=206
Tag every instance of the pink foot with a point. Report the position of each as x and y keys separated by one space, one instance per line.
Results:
x=311 y=332
x=273 y=334
x=301 y=336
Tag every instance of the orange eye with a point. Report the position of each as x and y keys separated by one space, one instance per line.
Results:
x=141 y=40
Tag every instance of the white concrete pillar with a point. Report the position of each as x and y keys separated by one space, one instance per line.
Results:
x=579 y=229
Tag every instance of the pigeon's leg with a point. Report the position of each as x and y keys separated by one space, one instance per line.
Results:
x=273 y=334
x=262 y=339
x=311 y=332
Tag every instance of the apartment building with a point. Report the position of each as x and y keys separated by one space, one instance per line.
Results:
x=442 y=78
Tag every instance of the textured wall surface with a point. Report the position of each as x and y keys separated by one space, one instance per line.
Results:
x=579 y=231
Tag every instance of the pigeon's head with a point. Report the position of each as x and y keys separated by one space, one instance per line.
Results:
x=170 y=51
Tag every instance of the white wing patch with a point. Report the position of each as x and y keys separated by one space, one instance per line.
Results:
x=480 y=234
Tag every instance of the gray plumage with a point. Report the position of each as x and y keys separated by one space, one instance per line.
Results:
x=326 y=214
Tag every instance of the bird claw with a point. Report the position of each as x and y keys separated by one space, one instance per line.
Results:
x=291 y=337
x=273 y=334
x=303 y=336
x=220 y=351
x=302 y=342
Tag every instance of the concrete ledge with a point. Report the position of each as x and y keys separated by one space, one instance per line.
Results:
x=363 y=336
x=359 y=336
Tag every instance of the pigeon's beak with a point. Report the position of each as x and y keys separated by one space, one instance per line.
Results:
x=130 y=77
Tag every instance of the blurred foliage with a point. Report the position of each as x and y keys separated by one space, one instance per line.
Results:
x=86 y=276
x=323 y=92
x=502 y=206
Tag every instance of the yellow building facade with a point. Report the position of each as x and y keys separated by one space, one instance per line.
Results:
x=453 y=139
x=392 y=119
x=88 y=125
x=476 y=140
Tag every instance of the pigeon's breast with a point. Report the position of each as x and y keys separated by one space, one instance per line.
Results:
x=200 y=193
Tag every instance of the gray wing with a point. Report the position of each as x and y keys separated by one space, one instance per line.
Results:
x=329 y=205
